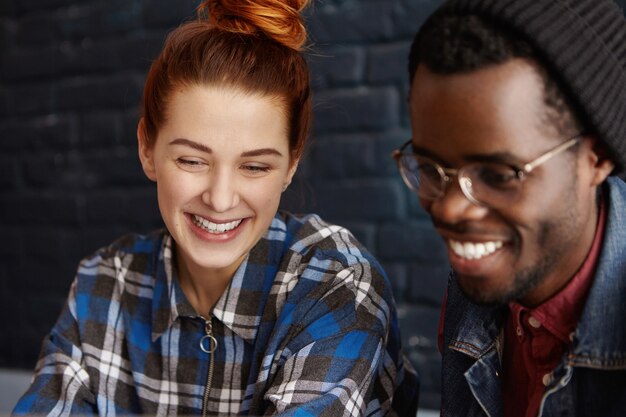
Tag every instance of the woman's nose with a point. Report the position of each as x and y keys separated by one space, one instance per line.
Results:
x=221 y=193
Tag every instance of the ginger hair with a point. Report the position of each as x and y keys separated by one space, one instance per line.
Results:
x=251 y=45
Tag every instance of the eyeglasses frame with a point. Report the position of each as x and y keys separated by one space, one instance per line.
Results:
x=465 y=182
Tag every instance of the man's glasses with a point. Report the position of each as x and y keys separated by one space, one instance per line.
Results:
x=491 y=184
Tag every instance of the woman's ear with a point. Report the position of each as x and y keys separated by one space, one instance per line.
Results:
x=146 y=151
x=292 y=171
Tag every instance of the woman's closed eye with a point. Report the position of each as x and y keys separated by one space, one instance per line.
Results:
x=191 y=164
x=256 y=169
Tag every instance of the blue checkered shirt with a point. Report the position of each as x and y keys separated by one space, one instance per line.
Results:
x=306 y=327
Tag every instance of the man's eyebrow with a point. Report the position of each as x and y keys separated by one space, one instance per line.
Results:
x=190 y=143
x=497 y=157
x=202 y=148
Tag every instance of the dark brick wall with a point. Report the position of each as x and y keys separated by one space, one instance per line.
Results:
x=71 y=74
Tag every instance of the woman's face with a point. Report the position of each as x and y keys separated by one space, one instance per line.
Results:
x=221 y=161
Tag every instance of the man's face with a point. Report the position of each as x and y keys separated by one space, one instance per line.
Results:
x=535 y=243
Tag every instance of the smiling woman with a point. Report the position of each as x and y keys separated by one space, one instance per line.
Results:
x=235 y=307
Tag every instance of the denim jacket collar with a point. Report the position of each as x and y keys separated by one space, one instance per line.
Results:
x=600 y=338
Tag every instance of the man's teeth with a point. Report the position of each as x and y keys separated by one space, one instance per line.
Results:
x=215 y=227
x=470 y=250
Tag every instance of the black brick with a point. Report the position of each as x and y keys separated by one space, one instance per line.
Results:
x=359 y=200
x=28 y=99
x=165 y=13
x=388 y=64
x=9 y=178
x=354 y=109
x=351 y=22
x=52 y=132
x=411 y=240
x=337 y=66
x=133 y=208
x=87 y=93
x=60 y=171
x=101 y=129
x=38 y=209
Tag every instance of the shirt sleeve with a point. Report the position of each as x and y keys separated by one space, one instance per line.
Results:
x=337 y=363
x=60 y=384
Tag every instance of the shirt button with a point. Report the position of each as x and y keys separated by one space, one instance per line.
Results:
x=547 y=379
x=534 y=322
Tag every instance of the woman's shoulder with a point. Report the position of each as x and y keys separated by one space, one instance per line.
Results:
x=324 y=252
x=130 y=254
x=309 y=233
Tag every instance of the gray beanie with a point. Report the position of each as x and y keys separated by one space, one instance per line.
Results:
x=584 y=42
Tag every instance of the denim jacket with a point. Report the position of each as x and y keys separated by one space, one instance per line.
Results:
x=590 y=379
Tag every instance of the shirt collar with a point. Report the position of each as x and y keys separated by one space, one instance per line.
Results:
x=560 y=313
x=241 y=305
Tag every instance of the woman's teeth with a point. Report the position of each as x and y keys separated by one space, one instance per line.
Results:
x=214 y=227
x=471 y=250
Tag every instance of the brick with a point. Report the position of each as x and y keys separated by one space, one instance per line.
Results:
x=53 y=170
x=359 y=200
x=119 y=168
x=122 y=53
x=128 y=137
x=353 y=156
x=135 y=208
x=409 y=15
x=40 y=27
x=7 y=8
x=31 y=63
x=411 y=241
x=38 y=209
x=351 y=22
x=87 y=93
x=23 y=7
x=398 y=276
x=165 y=13
x=80 y=21
x=388 y=63
x=52 y=132
x=34 y=98
x=428 y=282
x=100 y=129
x=336 y=66
x=11 y=246
x=355 y=109
x=384 y=147
x=4 y=105
x=9 y=178
x=419 y=323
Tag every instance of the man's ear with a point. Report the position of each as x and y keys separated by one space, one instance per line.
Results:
x=602 y=164
x=146 y=151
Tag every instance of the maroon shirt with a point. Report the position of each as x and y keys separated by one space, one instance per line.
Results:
x=536 y=339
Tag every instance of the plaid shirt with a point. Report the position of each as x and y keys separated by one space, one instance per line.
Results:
x=306 y=327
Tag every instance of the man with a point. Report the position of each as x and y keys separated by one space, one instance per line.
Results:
x=518 y=117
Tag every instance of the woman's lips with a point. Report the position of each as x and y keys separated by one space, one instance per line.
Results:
x=211 y=230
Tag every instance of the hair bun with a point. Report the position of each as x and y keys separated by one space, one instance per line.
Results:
x=278 y=19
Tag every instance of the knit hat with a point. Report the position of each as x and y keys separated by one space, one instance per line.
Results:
x=584 y=43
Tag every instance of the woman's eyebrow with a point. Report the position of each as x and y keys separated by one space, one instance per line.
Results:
x=261 y=152
x=190 y=143
x=203 y=148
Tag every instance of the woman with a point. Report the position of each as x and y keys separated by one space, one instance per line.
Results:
x=235 y=308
